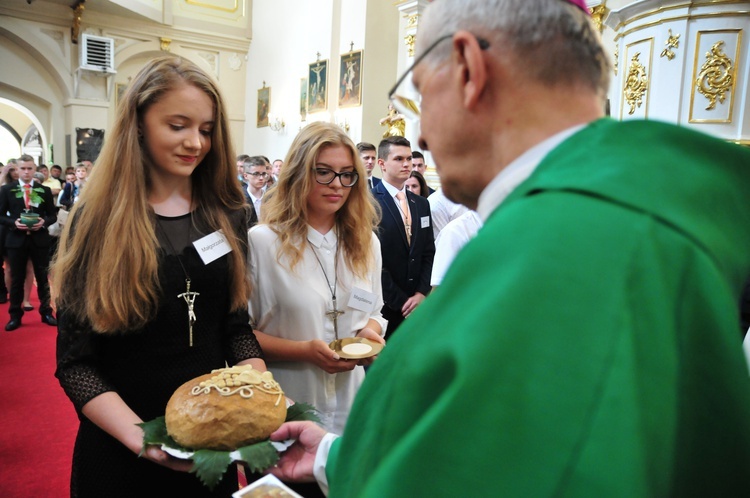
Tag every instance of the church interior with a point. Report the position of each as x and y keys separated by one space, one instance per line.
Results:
x=282 y=64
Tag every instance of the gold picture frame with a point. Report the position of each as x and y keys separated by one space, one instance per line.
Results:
x=350 y=79
x=119 y=92
x=264 y=104
x=317 y=86
x=303 y=98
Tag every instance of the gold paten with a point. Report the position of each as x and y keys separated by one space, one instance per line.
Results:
x=716 y=77
x=673 y=41
x=636 y=84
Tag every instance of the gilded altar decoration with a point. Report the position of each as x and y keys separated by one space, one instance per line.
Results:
x=409 y=40
x=616 y=63
x=636 y=83
x=716 y=77
x=164 y=44
x=394 y=122
x=75 y=30
x=597 y=15
x=673 y=41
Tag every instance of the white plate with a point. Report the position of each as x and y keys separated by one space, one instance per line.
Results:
x=280 y=446
x=355 y=348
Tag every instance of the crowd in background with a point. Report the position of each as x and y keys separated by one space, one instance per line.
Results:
x=64 y=187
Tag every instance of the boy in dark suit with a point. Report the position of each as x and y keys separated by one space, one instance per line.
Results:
x=405 y=234
x=22 y=242
x=368 y=153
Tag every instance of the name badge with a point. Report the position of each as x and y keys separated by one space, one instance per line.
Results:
x=212 y=247
x=425 y=221
x=34 y=204
x=362 y=300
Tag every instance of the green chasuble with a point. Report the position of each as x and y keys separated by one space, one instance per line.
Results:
x=585 y=343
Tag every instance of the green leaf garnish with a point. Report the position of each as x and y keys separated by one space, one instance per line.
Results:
x=259 y=456
x=155 y=432
x=302 y=411
x=210 y=465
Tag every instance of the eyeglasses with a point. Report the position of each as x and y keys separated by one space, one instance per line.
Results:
x=257 y=173
x=325 y=176
x=404 y=96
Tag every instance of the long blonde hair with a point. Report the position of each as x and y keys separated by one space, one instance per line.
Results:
x=106 y=268
x=285 y=209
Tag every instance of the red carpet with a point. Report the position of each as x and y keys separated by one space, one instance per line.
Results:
x=38 y=421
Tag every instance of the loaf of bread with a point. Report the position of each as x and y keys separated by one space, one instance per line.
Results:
x=226 y=409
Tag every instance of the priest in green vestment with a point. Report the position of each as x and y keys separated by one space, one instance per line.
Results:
x=585 y=342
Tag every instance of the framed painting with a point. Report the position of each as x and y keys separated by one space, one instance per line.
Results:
x=303 y=98
x=317 y=86
x=350 y=79
x=119 y=91
x=264 y=103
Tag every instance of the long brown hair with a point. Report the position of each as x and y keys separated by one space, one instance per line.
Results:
x=106 y=266
x=285 y=210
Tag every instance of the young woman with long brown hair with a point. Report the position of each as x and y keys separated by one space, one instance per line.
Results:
x=142 y=307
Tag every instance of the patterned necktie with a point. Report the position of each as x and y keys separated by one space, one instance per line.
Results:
x=27 y=195
x=405 y=214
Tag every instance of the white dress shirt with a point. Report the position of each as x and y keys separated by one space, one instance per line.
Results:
x=256 y=201
x=453 y=237
x=293 y=305
x=516 y=172
x=443 y=211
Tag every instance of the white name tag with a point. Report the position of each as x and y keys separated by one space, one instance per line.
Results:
x=362 y=300
x=425 y=221
x=212 y=247
x=34 y=204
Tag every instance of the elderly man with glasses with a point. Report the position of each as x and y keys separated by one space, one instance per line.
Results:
x=585 y=342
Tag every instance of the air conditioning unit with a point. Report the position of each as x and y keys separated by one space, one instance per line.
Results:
x=98 y=54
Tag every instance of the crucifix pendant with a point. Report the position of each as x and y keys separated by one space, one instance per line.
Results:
x=334 y=315
x=189 y=298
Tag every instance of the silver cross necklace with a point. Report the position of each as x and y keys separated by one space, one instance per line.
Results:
x=189 y=296
x=334 y=313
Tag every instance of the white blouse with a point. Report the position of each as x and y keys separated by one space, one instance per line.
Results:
x=293 y=305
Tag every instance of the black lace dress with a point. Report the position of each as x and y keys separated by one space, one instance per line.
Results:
x=145 y=367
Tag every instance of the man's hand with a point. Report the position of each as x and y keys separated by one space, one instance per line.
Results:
x=412 y=303
x=296 y=463
x=38 y=225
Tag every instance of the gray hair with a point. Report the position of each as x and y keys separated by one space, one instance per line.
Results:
x=552 y=40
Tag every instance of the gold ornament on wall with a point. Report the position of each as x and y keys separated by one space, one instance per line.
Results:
x=716 y=76
x=75 y=30
x=409 y=40
x=673 y=41
x=412 y=21
x=636 y=83
x=616 y=63
x=597 y=15
x=164 y=44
